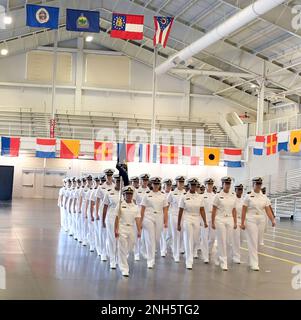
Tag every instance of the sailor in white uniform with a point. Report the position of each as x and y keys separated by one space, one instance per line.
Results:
x=224 y=220
x=191 y=206
x=208 y=234
x=95 y=213
x=110 y=206
x=237 y=233
x=67 y=195
x=173 y=212
x=154 y=217
x=76 y=208
x=109 y=183
x=139 y=193
x=127 y=226
x=256 y=206
x=60 y=203
x=90 y=218
x=84 y=215
x=81 y=217
x=166 y=234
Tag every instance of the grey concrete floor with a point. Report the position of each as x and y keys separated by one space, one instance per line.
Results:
x=42 y=262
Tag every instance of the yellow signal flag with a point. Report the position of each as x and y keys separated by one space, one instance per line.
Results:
x=295 y=141
x=211 y=156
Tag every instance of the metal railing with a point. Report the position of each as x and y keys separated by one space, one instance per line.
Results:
x=287 y=205
x=277 y=125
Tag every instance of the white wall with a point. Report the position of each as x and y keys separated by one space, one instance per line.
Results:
x=13 y=70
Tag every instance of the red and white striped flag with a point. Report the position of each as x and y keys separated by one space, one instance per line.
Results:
x=162 y=28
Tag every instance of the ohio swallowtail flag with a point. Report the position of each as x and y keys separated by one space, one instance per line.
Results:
x=162 y=28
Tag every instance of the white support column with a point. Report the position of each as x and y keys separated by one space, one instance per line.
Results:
x=79 y=74
x=187 y=100
x=260 y=104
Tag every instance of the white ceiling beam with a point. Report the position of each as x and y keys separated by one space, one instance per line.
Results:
x=198 y=72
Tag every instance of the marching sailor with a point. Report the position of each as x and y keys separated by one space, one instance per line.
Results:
x=76 y=208
x=173 y=200
x=139 y=194
x=166 y=234
x=208 y=234
x=154 y=218
x=239 y=189
x=90 y=236
x=81 y=206
x=224 y=220
x=192 y=207
x=127 y=219
x=256 y=206
x=110 y=206
x=94 y=213
x=60 y=203
x=66 y=200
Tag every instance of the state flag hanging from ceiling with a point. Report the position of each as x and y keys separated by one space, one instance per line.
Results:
x=127 y=26
x=295 y=141
x=169 y=154
x=211 y=156
x=103 y=151
x=42 y=16
x=10 y=146
x=162 y=30
x=271 y=144
x=82 y=20
x=69 y=149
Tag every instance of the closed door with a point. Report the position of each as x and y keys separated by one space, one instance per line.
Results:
x=6 y=185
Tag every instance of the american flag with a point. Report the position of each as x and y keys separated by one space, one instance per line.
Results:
x=162 y=28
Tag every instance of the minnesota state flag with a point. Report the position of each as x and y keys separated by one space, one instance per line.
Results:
x=69 y=149
x=103 y=151
x=42 y=16
x=211 y=156
x=295 y=141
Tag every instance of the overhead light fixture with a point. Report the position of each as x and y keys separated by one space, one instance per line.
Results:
x=4 y=52
x=7 y=20
x=253 y=85
x=89 y=38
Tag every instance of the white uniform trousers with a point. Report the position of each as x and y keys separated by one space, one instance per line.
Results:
x=73 y=222
x=163 y=241
x=254 y=226
x=102 y=236
x=65 y=220
x=207 y=240
x=153 y=227
x=97 y=230
x=224 y=235
x=84 y=229
x=262 y=231
x=91 y=233
x=111 y=242
x=76 y=225
x=70 y=222
x=191 y=232
x=177 y=236
x=62 y=216
x=126 y=243
x=137 y=246
x=236 y=241
x=79 y=227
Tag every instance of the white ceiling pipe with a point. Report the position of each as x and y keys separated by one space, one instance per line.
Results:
x=238 y=20
x=197 y=72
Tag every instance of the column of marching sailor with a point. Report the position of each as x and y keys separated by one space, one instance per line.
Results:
x=146 y=219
